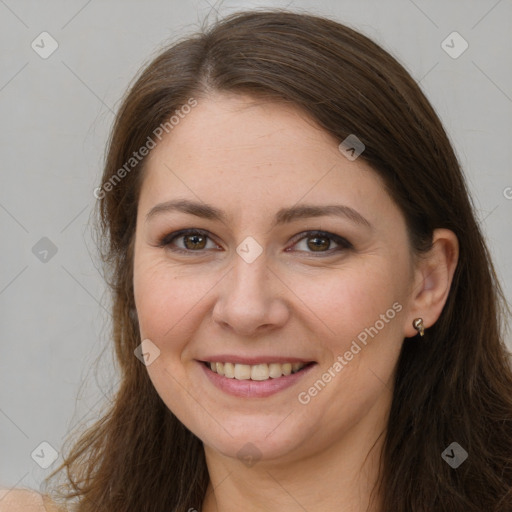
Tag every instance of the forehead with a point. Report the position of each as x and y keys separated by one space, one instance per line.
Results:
x=239 y=152
x=222 y=127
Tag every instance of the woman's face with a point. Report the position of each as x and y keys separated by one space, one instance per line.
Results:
x=293 y=254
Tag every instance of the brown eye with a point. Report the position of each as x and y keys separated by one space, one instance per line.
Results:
x=196 y=241
x=318 y=243
x=188 y=241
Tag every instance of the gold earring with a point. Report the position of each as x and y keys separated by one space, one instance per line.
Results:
x=418 y=325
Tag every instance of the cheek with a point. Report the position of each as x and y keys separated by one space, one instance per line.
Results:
x=171 y=299
x=359 y=310
x=349 y=300
x=162 y=297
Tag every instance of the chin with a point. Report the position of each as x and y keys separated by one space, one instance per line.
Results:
x=248 y=442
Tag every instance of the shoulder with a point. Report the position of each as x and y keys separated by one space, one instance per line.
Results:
x=25 y=500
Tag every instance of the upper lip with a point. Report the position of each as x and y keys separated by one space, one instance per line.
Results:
x=237 y=359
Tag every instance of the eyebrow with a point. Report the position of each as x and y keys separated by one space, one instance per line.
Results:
x=283 y=216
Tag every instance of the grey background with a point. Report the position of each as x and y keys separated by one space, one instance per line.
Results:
x=55 y=116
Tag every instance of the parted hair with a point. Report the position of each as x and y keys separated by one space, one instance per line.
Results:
x=454 y=386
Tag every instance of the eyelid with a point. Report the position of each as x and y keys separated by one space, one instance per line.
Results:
x=166 y=240
x=342 y=242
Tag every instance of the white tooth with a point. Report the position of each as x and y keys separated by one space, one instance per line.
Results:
x=242 y=371
x=259 y=372
x=229 y=370
x=274 y=370
x=286 y=368
x=220 y=368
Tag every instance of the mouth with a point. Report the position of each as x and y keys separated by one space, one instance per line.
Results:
x=254 y=376
x=257 y=372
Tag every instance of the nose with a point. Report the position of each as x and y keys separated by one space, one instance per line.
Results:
x=251 y=299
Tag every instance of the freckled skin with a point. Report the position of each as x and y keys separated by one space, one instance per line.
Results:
x=250 y=161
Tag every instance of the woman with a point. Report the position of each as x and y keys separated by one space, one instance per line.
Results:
x=306 y=316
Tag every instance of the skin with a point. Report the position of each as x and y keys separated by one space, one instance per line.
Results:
x=250 y=159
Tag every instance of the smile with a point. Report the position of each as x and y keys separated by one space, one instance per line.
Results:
x=254 y=381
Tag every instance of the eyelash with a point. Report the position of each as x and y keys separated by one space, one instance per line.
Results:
x=343 y=244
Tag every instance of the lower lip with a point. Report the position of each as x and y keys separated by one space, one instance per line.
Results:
x=254 y=388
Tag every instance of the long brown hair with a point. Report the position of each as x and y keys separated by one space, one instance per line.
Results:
x=454 y=387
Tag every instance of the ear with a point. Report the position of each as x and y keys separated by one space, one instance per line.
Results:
x=433 y=277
